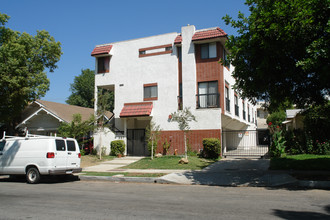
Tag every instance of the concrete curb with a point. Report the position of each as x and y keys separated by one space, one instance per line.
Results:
x=314 y=184
x=125 y=179
x=160 y=180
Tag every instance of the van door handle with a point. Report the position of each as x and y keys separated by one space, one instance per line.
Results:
x=69 y=153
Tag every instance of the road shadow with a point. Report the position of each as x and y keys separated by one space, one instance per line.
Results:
x=44 y=179
x=238 y=172
x=287 y=214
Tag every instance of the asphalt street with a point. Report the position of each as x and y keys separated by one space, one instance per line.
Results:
x=107 y=200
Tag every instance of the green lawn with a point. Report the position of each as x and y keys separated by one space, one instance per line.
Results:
x=123 y=173
x=301 y=162
x=170 y=162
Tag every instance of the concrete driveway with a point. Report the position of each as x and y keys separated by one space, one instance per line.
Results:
x=233 y=172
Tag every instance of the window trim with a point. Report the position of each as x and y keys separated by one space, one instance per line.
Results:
x=217 y=94
x=207 y=45
x=106 y=67
x=148 y=86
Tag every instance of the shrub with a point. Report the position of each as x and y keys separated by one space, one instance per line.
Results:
x=166 y=147
x=82 y=152
x=94 y=151
x=149 y=144
x=117 y=147
x=277 y=148
x=211 y=148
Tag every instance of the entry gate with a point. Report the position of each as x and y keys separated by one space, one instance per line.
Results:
x=136 y=145
x=245 y=143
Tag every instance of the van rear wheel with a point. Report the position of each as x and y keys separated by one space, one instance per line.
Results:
x=32 y=175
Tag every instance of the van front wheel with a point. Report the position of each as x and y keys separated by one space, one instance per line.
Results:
x=32 y=175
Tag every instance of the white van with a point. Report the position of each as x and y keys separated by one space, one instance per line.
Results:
x=39 y=155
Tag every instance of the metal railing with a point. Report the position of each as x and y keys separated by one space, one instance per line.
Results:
x=211 y=100
x=245 y=143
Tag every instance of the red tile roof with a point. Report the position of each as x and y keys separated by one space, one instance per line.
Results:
x=136 y=109
x=178 y=39
x=208 y=34
x=101 y=50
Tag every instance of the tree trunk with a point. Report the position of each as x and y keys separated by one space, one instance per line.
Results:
x=152 y=149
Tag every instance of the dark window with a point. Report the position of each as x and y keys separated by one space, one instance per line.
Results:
x=244 y=113
x=60 y=145
x=227 y=98
x=208 y=51
x=208 y=96
x=180 y=101
x=71 y=145
x=168 y=48
x=103 y=64
x=2 y=145
x=236 y=105
x=150 y=92
x=142 y=52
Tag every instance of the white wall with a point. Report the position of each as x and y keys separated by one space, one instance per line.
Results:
x=128 y=73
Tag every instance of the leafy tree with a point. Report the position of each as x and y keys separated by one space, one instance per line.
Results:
x=276 y=118
x=83 y=89
x=23 y=60
x=152 y=137
x=282 y=51
x=183 y=118
x=317 y=122
x=77 y=128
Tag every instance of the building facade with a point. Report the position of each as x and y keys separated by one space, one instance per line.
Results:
x=155 y=76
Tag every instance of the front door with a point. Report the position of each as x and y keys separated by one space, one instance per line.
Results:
x=136 y=145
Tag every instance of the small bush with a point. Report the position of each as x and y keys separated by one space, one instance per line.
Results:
x=82 y=152
x=94 y=151
x=211 y=148
x=154 y=149
x=117 y=147
x=166 y=147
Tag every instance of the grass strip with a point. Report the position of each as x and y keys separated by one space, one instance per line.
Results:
x=301 y=162
x=170 y=162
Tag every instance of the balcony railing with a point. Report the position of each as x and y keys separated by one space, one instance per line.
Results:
x=208 y=100
x=236 y=110
x=227 y=104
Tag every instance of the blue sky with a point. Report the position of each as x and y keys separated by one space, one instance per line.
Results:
x=80 y=25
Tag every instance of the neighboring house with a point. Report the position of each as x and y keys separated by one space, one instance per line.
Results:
x=294 y=119
x=44 y=117
x=155 y=76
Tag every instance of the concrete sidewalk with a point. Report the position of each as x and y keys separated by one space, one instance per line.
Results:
x=226 y=172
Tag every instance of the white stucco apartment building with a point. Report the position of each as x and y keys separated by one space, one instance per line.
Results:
x=155 y=76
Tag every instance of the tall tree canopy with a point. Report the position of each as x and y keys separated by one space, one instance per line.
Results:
x=282 y=51
x=23 y=60
x=83 y=89
x=83 y=92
